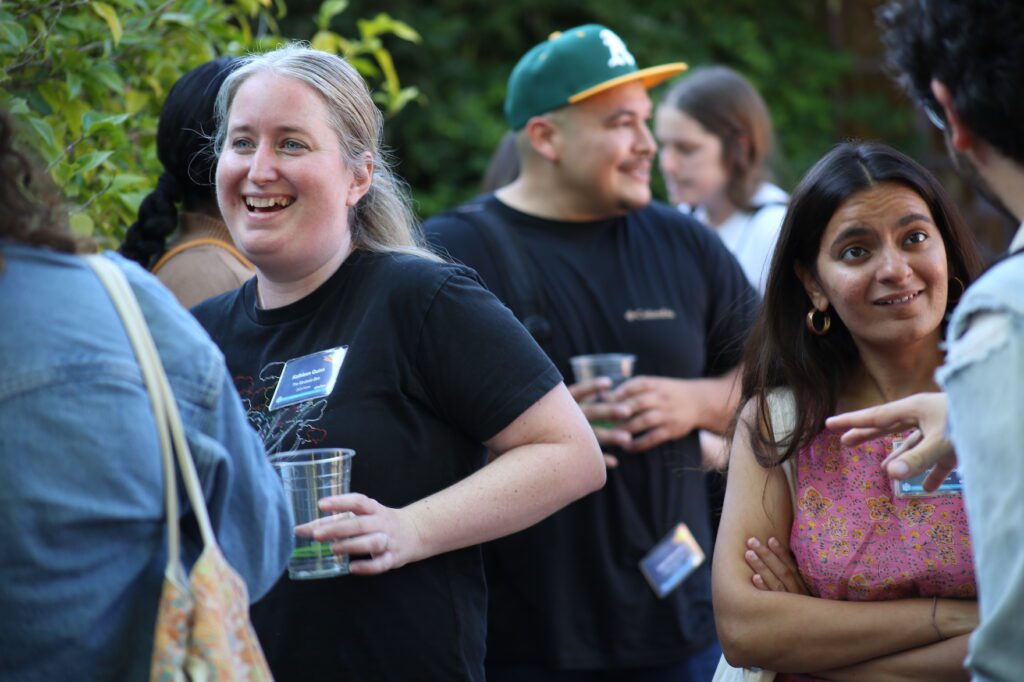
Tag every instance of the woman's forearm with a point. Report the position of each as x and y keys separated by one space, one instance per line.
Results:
x=796 y=633
x=547 y=459
x=941 y=662
x=513 y=492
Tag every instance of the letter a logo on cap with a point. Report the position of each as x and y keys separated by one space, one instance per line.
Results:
x=620 y=55
x=571 y=66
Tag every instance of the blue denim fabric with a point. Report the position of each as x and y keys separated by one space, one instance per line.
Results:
x=82 y=532
x=984 y=379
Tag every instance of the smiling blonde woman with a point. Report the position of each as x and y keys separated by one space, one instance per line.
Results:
x=434 y=369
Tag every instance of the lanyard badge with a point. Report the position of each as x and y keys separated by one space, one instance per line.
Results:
x=308 y=377
x=914 y=486
x=672 y=560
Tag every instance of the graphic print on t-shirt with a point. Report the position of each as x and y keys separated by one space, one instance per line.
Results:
x=288 y=428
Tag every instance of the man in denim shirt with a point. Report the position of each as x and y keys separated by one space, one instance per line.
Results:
x=83 y=545
x=82 y=527
x=962 y=61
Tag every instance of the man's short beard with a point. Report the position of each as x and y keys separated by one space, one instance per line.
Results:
x=627 y=205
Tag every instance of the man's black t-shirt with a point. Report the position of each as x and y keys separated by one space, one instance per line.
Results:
x=435 y=366
x=568 y=592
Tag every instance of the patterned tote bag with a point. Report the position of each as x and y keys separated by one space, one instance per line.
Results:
x=203 y=631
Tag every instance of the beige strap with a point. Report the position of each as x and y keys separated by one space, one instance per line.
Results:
x=205 y=241
x=782 y=411
x=165 y=409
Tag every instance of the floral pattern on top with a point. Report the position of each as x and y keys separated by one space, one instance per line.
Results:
x=854 y=540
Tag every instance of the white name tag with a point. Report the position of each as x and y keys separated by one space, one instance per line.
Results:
x=672 y=560
x=914 y=486
x=308 y=377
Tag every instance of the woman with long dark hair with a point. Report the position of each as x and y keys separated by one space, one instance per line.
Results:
x=871 y=257
x=200 y=260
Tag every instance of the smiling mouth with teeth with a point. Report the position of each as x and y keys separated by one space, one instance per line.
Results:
x=903 y=299
x=267 y=204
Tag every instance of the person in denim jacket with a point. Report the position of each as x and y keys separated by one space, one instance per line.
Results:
x=960 y=60
x=82 y=520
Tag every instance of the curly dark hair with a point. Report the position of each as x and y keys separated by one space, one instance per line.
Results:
x=30 y=208
x=183 y=145
x=975 y=48
x=781 y=351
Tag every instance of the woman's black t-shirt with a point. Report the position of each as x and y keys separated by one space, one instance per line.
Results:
x=435 y=366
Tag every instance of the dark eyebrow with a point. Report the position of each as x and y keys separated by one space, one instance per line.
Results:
x=851 y=232
x=855 y=231
x=913 y=218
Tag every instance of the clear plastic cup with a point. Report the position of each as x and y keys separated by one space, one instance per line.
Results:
x=308 y=476
x=616 y=366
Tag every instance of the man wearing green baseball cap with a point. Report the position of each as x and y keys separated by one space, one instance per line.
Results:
x=590 y=264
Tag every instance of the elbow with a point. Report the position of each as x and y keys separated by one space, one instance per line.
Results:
x=592 y=472
x=750 y=641
x=279 y=540
x=597 y=470
x=744 y=633
x=737 y=645
x=589 y=471
x=598 y=476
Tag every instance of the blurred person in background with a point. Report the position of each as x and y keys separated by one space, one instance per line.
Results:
x=716 y=142
x=717 y=145
x=201 y=260
x=613 y=271
x=503 y=167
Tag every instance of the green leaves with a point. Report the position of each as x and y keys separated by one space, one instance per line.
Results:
x=382 y=24
x=93 y=122
x=85 y=81
x=81 y=224
x=44 y=131
x=12 y=34
x=109 y=15
x=328 y=11
x=89 y=161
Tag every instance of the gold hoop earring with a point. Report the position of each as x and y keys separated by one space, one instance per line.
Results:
x=826 y=322
x=950 y=300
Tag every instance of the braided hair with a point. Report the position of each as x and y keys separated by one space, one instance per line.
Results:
x=183 y=147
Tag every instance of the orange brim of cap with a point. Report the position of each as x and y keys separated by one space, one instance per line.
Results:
x=650 y=76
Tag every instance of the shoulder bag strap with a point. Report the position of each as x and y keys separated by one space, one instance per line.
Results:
x=165 y=409
x=782 y=410
x=517 y=272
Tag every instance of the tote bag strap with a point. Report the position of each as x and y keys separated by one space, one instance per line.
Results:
x=165 y=409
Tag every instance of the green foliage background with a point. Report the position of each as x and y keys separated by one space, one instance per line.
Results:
x=86 y=79
x=469 y=47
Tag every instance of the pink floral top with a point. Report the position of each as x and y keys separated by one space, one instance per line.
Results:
x=854 y=541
